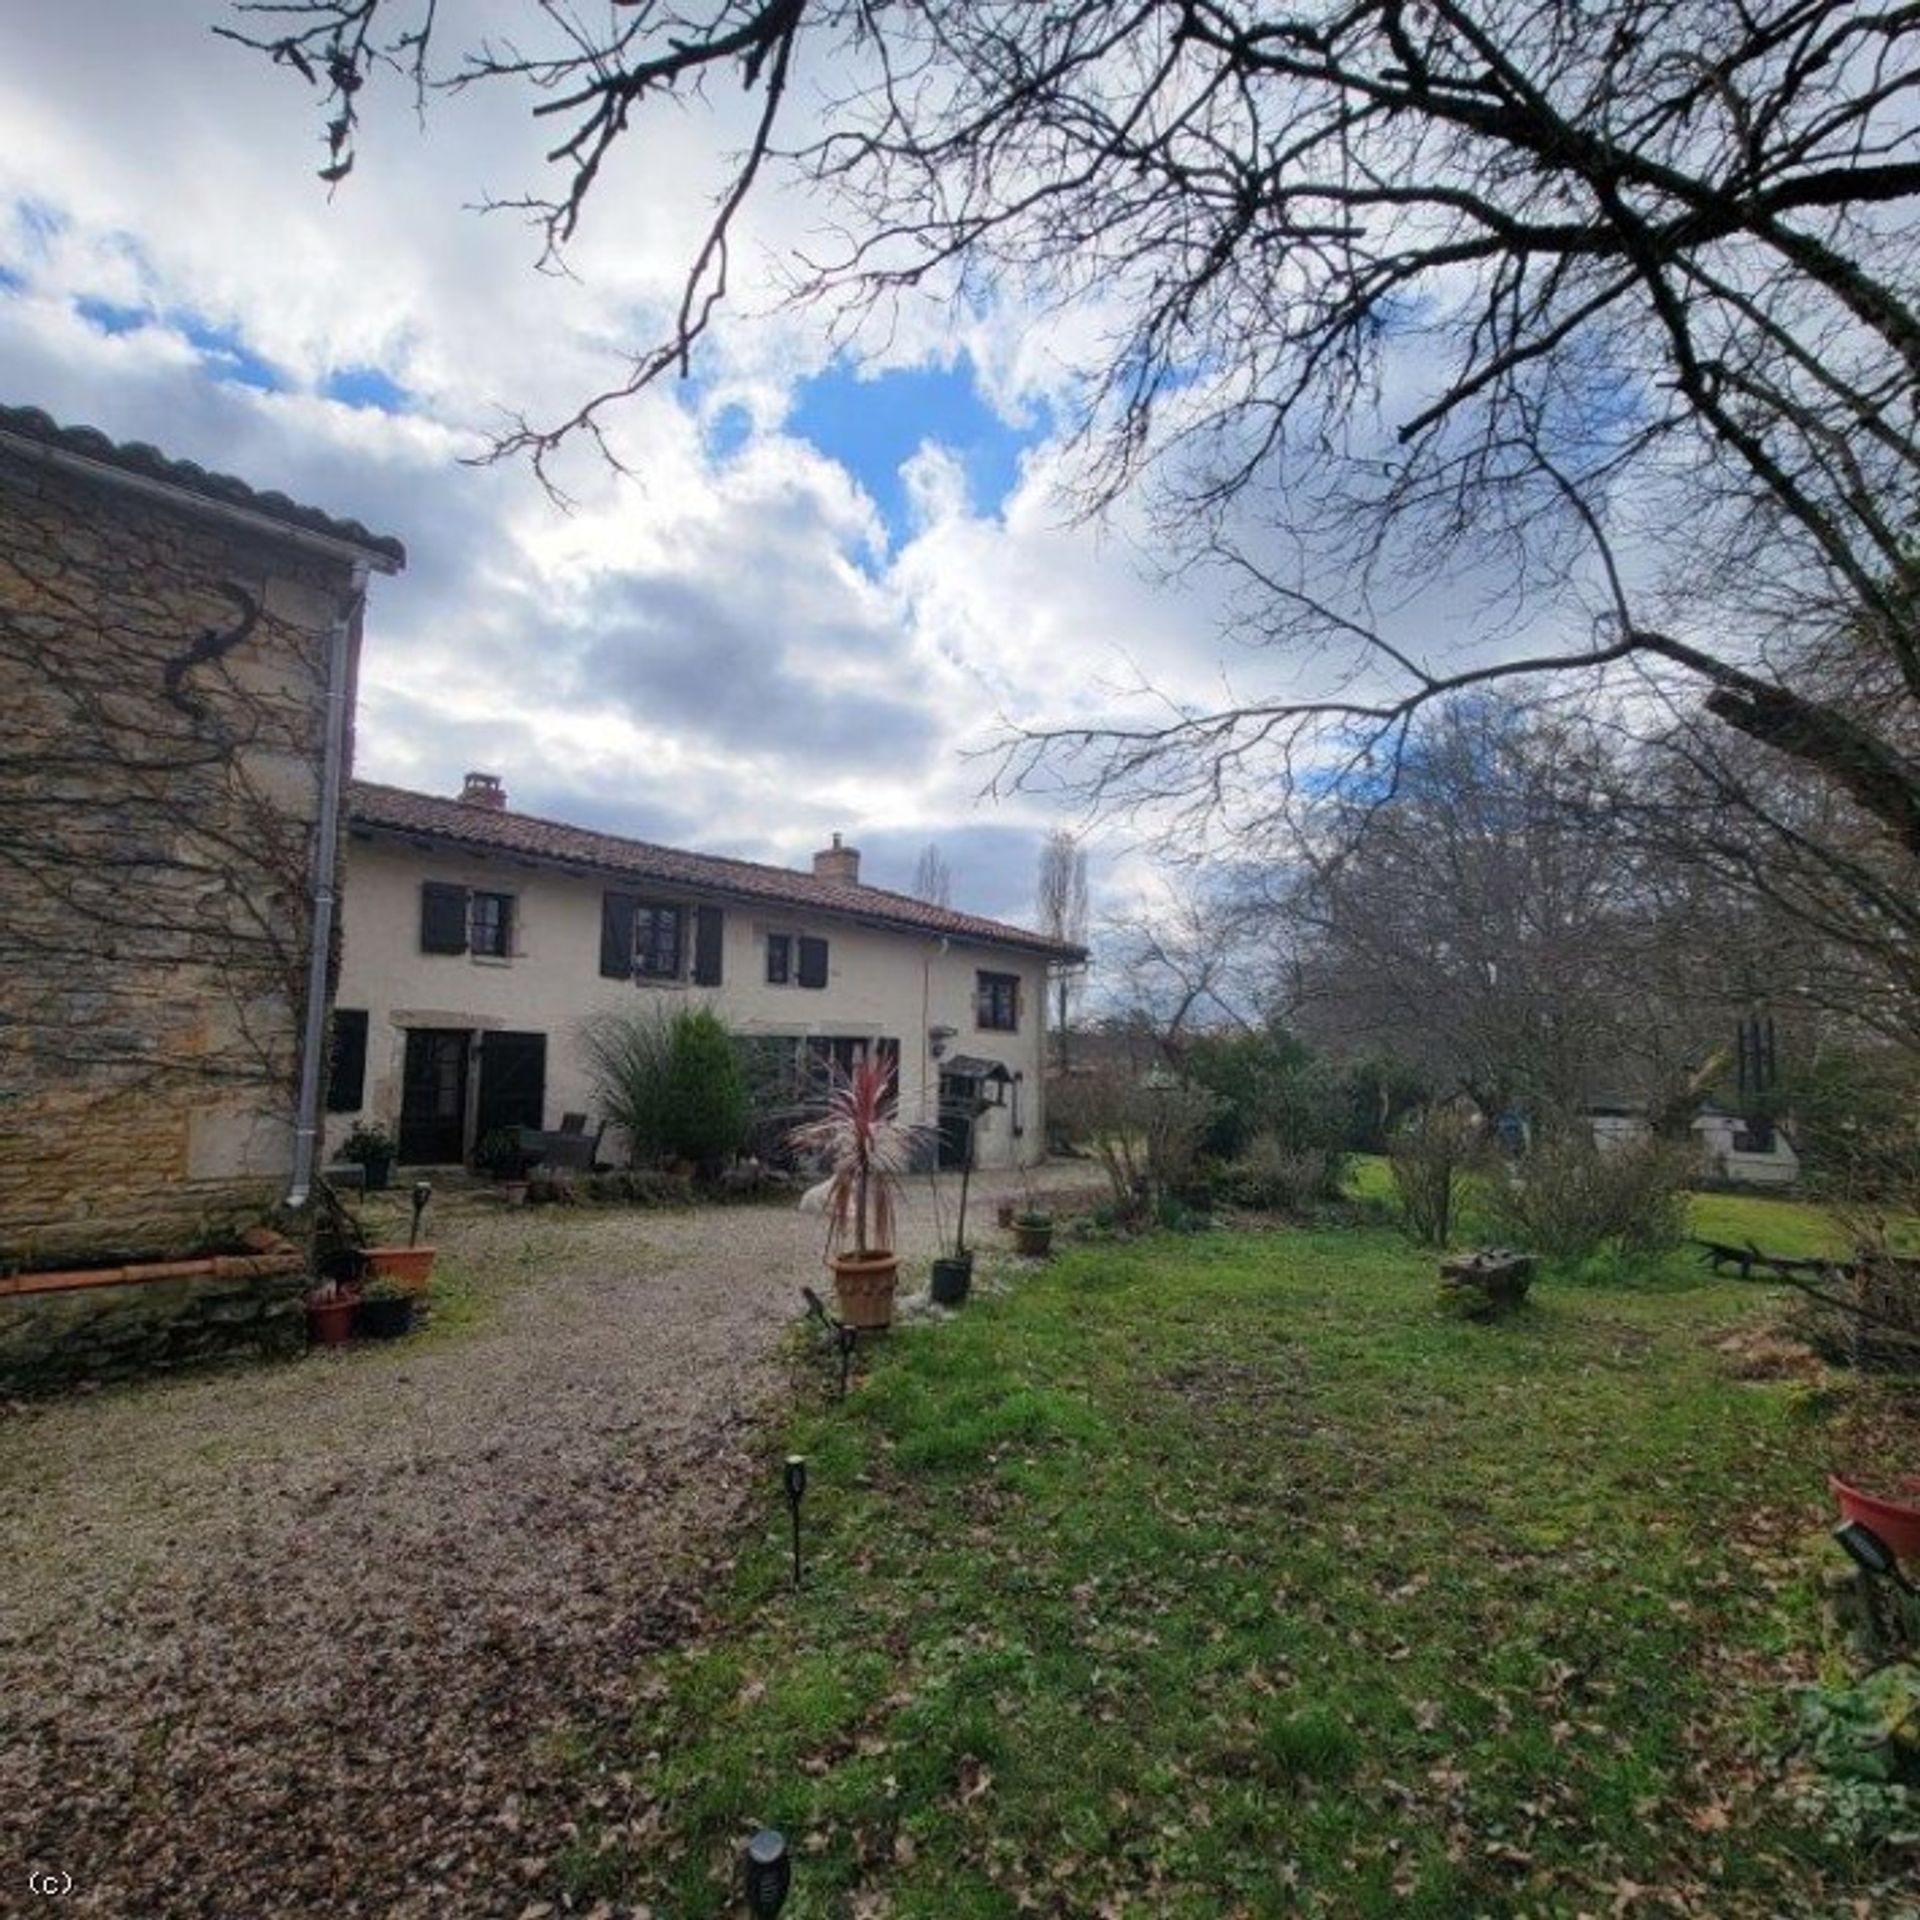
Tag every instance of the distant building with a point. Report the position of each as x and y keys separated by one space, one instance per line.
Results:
x=1745 y=1152
x=477 y=940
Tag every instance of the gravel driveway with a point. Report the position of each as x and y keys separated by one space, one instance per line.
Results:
x=304 y=1639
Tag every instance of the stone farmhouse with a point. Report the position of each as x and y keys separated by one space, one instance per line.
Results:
x=178 y=652
x=477 y=939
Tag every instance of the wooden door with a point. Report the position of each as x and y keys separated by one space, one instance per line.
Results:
x=433 y=1097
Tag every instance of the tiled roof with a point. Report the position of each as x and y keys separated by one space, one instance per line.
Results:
x=459 y=823
x=149 y=463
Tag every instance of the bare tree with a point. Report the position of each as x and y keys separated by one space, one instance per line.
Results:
x=1608 y=314
x=932 y=877
x=1497 y=926
x=1063 y=916
x=1191 y=962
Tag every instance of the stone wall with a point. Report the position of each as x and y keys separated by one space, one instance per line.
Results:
x=165 y=682
x=51 y=1341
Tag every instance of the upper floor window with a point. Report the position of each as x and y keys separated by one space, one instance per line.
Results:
x=997 y=1001
x=643 y=939
x=657 y=940
x=796 y=960
x=464 y=920
x=492 y=924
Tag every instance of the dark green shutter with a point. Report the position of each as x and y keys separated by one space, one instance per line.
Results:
x=347 y=1066
x=708 y=924
x=616 y=935
x=813 y=961
x=443 y=918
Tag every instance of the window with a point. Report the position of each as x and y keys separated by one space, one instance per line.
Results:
x=796 y=960
x=650 y=939
x=492 y=926
x=656 y=941
x=996 y=999
x=455 y=920
x=347 y=1061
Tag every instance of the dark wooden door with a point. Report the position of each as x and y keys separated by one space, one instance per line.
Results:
x=959 y=1102
x=433 y=1097
x=513 y=1082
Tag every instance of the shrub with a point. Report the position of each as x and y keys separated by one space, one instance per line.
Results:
x=705 y=1107
x=627 y=1055
x=1430 y=1157
x=671 y=1082
x=1277 y=1180
x=1570 y=1199
x=1147 y=1137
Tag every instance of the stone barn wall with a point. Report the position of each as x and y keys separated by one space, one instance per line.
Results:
x=165 y=685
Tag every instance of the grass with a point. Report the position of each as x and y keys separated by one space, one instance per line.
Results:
x=1227 y=1575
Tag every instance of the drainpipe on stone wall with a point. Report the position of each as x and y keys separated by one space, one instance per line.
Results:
x=325 y=895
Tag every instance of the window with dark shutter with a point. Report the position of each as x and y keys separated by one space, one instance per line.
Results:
x=779 y=959
x=708 y=926
x=616 y=935
x=443 y=918
x=813 y=961
x=347 y=1061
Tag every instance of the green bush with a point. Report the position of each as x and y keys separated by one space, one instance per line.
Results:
x=1571 y=1200
x=671 y=1082
x=705 y=1107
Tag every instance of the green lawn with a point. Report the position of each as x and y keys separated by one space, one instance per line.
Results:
x=1227 y=1575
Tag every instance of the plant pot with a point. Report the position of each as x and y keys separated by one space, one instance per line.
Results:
x=410 y=1266
x=1004 y=1213
x=330 y=1322
x=1897 y=1522
x=1036 y=1242
x=385 y=1319
x=952 y=1280
x=377 y=1173
x=515 y=1191
x=864 y=1288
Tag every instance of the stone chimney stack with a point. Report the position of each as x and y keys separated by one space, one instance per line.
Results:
x=484 y=790
x=838 y=863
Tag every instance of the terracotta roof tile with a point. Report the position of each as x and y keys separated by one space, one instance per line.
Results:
x=459 y=823
x=136 y=457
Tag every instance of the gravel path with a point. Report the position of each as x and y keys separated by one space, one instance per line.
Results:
x=307 y=1639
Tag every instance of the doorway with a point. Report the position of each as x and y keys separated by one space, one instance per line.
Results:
x=513 y=1082
x=433 y=1097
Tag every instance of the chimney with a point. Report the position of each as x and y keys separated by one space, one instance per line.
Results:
x=484 y=790
x=838 y=863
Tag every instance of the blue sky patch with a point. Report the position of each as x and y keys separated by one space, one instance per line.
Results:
x=10 y=282
x=232 y=358
x=110 y=317
x=872 y=427
x=366 y=387
x=728 y=431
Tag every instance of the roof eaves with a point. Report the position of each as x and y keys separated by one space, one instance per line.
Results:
x=133 y=464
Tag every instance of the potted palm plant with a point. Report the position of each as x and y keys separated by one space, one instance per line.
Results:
x=867 y=1147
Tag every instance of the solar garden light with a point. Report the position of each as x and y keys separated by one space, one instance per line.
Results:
x=1872 y=1555
x=768 y=1870
x=422 y=1193
x=794 y=1478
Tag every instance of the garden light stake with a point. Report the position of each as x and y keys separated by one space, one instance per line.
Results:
x=768 y=1870
x=795 y=1479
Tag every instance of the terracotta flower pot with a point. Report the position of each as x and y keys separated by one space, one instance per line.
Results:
x=864 y=1287
x=330 y=1322
x=409 y=1266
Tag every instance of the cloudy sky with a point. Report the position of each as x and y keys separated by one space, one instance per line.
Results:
x=828 y=576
